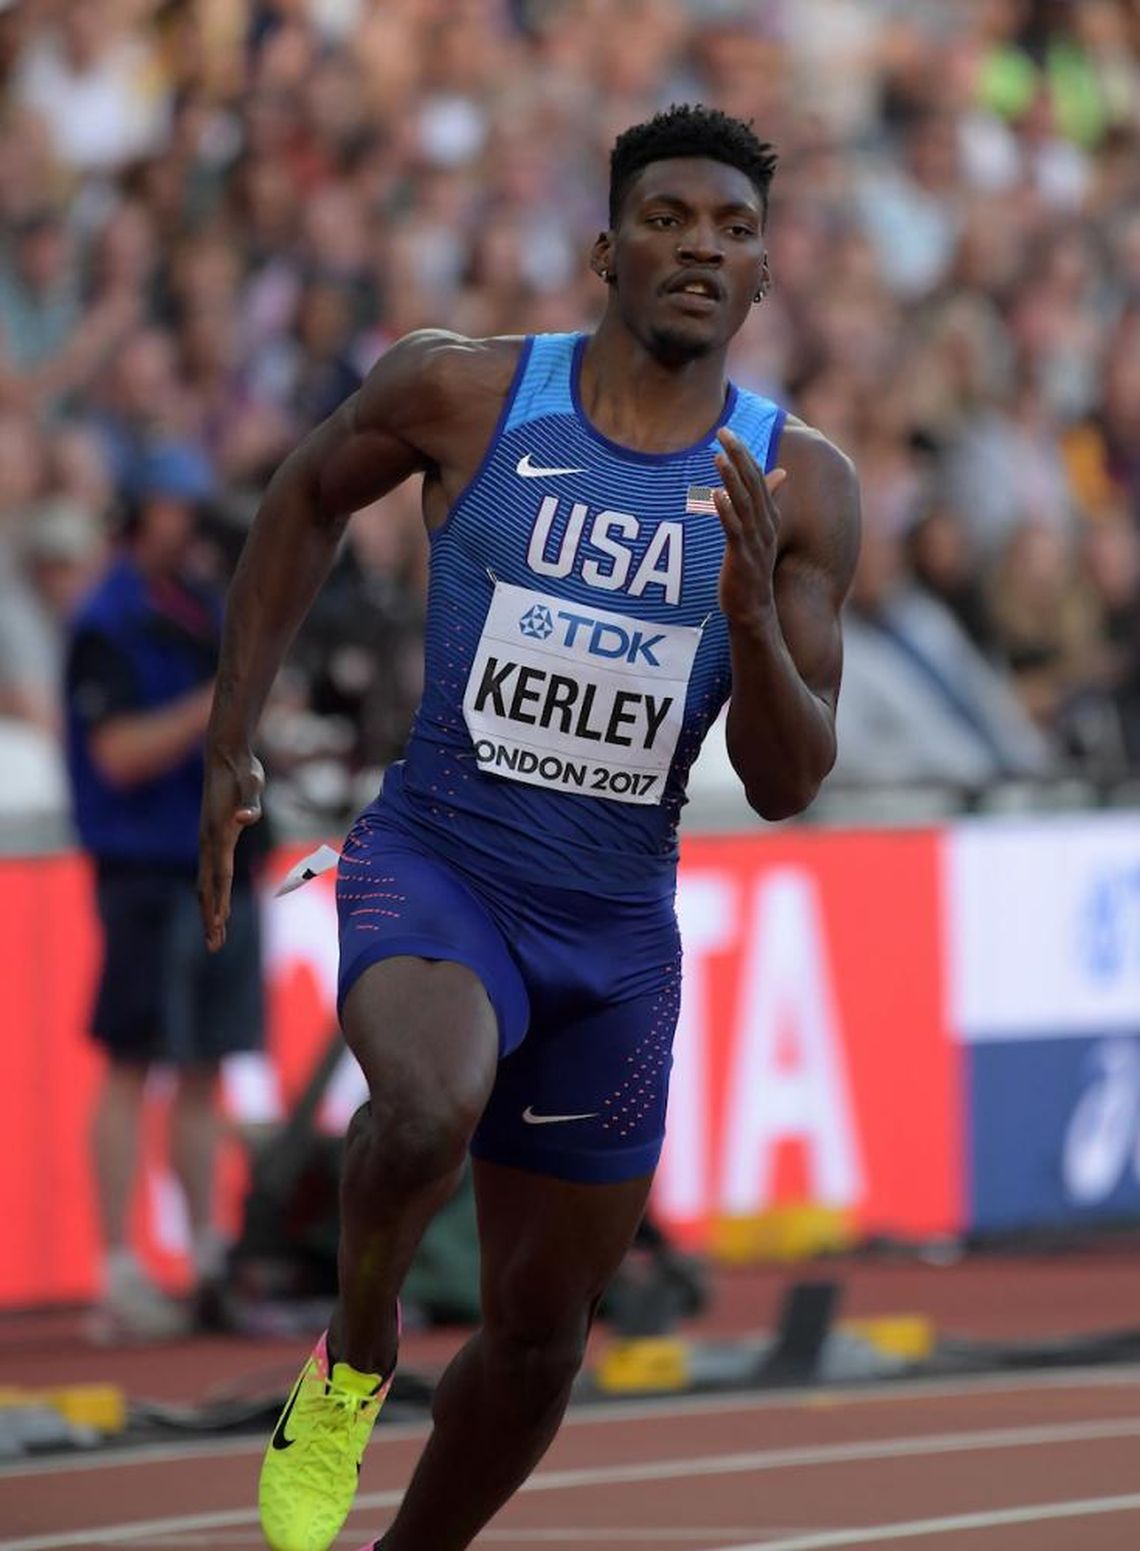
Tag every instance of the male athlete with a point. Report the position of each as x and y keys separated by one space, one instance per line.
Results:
x=608 y=565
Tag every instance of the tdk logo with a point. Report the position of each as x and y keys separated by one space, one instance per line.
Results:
x=595 y=637
x=536 y=623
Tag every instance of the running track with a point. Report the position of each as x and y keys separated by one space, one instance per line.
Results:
x=1034 y=1462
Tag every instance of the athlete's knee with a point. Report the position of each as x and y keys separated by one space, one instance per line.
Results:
x=541 y=1339
x=417 y=1136
x=539 y=1365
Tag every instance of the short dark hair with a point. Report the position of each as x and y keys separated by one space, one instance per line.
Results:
x=688 y=129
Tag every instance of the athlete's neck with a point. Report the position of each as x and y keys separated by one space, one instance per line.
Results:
x=642 y=403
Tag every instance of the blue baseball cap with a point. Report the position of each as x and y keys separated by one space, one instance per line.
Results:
x=177 y=470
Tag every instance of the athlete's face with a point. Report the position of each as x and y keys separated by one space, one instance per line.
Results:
x=687 y=257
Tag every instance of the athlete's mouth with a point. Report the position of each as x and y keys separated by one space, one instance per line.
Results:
x=696 y=282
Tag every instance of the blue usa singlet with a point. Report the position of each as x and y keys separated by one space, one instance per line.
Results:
x=576 y=654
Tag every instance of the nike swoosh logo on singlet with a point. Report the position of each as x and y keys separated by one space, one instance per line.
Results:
x=525 y=469
x=549 y=1120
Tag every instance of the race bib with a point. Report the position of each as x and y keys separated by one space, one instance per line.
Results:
x=577 y=699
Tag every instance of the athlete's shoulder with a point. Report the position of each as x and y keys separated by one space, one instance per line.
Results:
x=434 y=370
x=805 y=450
x=819 y=501
x=437 y=391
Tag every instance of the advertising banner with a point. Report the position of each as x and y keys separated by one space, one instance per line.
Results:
x=1043 y=949
x=813 y=1059
x=1056 y=1132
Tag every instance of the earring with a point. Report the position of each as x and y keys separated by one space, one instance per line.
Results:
x=760 y=295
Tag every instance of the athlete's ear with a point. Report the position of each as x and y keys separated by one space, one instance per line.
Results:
x=765 y=284
x=601 y=257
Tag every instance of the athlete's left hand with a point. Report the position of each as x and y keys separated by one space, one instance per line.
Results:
x=751 y=521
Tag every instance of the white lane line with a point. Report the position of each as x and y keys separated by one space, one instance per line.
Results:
x=576 y=1536
x=995 y=1518
x=895 y=1391
x=755 y=1461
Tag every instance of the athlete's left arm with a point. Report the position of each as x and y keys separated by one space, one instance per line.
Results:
x=787 y=567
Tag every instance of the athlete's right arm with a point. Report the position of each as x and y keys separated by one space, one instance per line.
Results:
x=391 y=428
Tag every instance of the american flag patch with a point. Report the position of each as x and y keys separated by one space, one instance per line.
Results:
x=700 y=499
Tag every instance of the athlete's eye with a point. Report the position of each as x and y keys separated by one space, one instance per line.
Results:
x=662 y=221
x=741 y=232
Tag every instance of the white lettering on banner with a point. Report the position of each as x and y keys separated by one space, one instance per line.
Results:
x=302 y=929
x=577 y=699
x=788 y=996
x=251 y=1092
x=661 y=566
x=1102 y=1140
x=706 y=910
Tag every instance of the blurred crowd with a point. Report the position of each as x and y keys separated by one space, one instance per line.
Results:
x=215 y=214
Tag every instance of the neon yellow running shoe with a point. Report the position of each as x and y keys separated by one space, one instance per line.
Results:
x=312 y=1465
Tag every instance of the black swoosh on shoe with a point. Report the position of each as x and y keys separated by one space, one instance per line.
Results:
x=279 y=1440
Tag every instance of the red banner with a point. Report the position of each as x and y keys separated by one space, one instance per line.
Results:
x=812 y=1060
x=49 y=1071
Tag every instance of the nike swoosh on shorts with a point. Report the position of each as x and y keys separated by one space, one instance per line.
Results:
x=549 y=1120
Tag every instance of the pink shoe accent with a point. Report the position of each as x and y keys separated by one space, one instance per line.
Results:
x=321 y=1356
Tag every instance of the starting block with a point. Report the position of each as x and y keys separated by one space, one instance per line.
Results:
x=807 y=1348
x=645 y=1365
x=911 y=1337
x=76 y=1414
x=782 y=1234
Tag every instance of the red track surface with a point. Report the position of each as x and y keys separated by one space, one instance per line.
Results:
x=1049 y=1462
x=1051 y=1466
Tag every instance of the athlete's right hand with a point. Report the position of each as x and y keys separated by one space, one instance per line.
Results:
x=231 y=801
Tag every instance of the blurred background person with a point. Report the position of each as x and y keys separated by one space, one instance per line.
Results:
x=139 y=674
x=920 y=702
x=59 y=558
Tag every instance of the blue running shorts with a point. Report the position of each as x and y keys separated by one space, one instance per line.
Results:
x=586 y=990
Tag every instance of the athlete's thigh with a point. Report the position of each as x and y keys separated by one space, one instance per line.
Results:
x=425 y=1035
x=398 y=902
x=550 y=1247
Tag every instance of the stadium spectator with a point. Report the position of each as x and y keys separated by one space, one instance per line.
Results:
x=61 y=553
x=97 y=84
x=139 y=678
x=39 y=293
x=920 y=703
